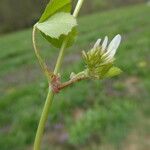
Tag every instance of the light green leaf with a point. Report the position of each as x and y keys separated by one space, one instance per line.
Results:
x=57 y=27
x=55 y=6
x=58 y=24
x=58 y=42
x=114 y=71
x=102 y=71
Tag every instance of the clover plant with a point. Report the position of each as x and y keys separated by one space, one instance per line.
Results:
x=59 y=27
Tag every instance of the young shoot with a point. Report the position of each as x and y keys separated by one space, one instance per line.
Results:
x=59 y=27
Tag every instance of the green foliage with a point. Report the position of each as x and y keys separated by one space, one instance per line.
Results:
x=113 y=71
x=57 y=27
x=98 y=120
x=57 y=24
x=58 y=42
x=55 y=6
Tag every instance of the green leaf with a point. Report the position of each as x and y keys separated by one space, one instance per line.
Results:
x=55 y=6
x=57 y=27
x=58 y=24
x=58 y=42
x=102 y=71
x=113 y=71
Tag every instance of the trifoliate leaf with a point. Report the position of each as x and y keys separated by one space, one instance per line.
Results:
x=113 y=71
x=55 y=6
x=57 y=27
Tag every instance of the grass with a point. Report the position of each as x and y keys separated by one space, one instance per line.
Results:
x=90 y=115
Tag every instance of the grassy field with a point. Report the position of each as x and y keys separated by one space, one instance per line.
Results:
x=93 y=115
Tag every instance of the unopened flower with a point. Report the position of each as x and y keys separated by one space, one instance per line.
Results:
x=99 y=60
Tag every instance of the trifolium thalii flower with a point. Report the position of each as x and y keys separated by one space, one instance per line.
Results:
x=99 y=60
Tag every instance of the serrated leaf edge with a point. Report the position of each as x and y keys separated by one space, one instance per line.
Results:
x=36 y=25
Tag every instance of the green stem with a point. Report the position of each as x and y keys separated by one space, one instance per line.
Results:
x=61 y=53
x=78 y=7
x=43 y=120
x=41 y=61
x=50 y=96
x=60 y=57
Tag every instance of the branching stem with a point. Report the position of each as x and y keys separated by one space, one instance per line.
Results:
x=50 y=96
x=70 y=82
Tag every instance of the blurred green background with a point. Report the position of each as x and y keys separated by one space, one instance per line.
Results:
x=113 y=114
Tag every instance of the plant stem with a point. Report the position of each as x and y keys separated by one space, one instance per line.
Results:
x=60 y=57
x=41 y=61
x=61 y=53
x=78 y=7
x=43 y=119
x=70 y=82
x=50 y=96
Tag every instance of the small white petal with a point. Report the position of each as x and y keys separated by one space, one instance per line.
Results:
x=113 y=46
x=97 y=44
x=104 y=45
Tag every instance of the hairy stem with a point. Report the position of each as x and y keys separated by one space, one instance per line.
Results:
x=70 y=82
x=42 y=63
x=50 y=96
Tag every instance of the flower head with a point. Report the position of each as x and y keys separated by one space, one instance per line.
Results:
x=99 y=60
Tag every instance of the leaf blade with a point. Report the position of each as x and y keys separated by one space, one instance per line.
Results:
x=58 y=27
x=55 y=6
x=114 y=71
x=58 y=42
